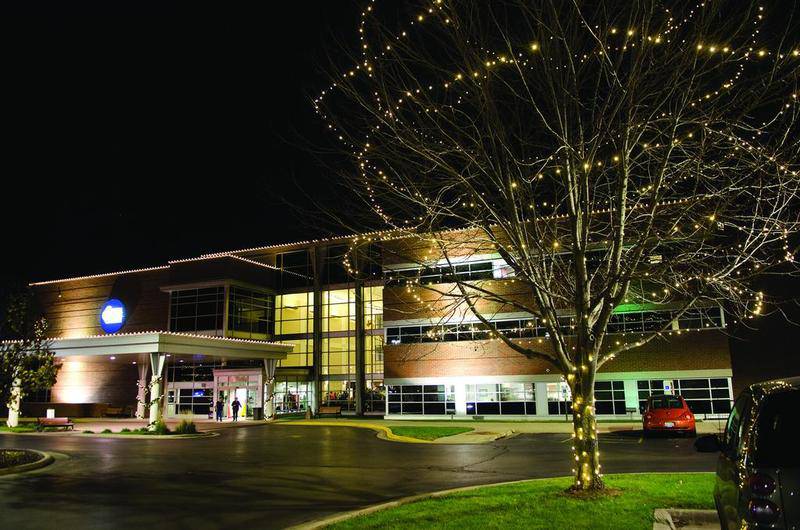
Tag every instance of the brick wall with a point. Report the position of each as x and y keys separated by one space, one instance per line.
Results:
x=72 y=308
x=689 y=351
x=96 y=380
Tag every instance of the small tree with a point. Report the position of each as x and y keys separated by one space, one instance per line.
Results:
x=27 y=364
x=608 y=150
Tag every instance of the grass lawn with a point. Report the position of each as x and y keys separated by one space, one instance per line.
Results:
x=19 y=428
x=427 y=433
x=543 y=504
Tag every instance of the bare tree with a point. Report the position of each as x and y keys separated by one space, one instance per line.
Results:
x=607 y=150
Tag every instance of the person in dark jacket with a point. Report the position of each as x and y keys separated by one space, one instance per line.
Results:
x=236 y=406
x=219 y=408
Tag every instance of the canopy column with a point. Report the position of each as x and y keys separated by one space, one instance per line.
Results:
x=157 y=361
x=141 y=394
x=269 y=387
x=14 y=403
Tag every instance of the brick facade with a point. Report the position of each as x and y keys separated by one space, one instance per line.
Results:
x=699 y=350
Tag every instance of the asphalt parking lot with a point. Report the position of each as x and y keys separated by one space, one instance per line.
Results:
x=273 y=476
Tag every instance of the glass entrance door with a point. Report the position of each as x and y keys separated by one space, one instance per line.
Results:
x=242 y=385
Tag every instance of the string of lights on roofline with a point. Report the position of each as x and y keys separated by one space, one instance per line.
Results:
x=582 y=472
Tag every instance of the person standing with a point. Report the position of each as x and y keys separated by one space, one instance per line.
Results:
x=236 y=406
x=219 y=407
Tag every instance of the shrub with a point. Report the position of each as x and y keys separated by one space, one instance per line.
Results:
x=186 y=427
x=125 y=430
x=105 y=431
x=160 y=428
x=88 y=432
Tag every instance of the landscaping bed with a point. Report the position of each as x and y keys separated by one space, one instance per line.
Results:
x=17 y=457
x=543 y=503
x=428 y=433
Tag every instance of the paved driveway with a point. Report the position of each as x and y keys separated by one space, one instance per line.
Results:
x=273 y=476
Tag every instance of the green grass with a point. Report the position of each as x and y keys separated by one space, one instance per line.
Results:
x=19 y=428
x=427 y=433
x=543 y=504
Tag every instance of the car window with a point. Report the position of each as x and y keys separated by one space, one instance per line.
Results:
x=665 y=402
x=733 y=429
x=776 y=431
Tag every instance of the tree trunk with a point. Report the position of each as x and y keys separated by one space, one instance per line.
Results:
x=586 y=455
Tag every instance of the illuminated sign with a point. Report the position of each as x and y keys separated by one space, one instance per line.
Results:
x=112 y=316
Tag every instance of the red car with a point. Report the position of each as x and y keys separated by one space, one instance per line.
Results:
x=667 y=414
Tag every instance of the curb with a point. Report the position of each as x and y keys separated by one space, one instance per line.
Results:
x=384 y=433
x=333 y=519
x=663 y=518
x=45 y=460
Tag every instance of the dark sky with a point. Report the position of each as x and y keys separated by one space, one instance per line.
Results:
x=134 y=133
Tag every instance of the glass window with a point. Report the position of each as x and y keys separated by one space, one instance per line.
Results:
x=294 y=313
x=419 y=399
x=706 y=396
x=776 y=431
x=197 y=310
x=559 y=398
x=504 y=398
x=250 y=313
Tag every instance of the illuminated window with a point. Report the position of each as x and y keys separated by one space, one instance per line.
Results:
x=294 y=313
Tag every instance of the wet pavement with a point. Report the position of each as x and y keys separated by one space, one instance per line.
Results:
x=273 y=476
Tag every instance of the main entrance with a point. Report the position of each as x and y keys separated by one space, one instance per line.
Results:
x=245 y=385
x=196 y=399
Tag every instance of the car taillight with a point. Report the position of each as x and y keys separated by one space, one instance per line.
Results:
x=686 y=416
x=763 y=511
x=761 y=485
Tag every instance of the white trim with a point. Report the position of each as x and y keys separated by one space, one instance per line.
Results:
x=168 y=342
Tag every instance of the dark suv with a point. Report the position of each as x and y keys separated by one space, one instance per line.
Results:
x=758 y=471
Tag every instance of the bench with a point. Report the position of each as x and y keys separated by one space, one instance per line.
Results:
x=631 y=411
x=334 y=411
x=64 y=423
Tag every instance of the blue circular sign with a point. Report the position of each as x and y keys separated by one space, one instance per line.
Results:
x=112 y=316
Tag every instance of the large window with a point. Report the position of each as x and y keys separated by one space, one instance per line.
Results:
x=373 y=307
x=503 y=398
x=476 y=270
x=297 y=265
x=292 y=395
x=294 y=313
x=703 y=396
x=559 y=398
x=301 y=355
x=706 y=396
x=609 y=397
x=250 y=313
x=339 y=310
x=641 y=321
x=200 y=310
x=194 y=400
x=421 y=399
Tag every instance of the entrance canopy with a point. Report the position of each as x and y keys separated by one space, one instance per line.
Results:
x=169 y=342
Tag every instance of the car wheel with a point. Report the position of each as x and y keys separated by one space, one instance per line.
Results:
x=692 y=433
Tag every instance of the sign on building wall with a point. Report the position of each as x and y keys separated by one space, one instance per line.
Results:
x=112 y=316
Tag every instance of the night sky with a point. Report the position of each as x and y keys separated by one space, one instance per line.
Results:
x=134 y=133
x=137 y=132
